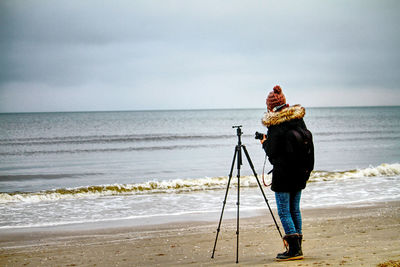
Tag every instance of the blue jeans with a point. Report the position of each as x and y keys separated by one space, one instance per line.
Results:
x=289 y=211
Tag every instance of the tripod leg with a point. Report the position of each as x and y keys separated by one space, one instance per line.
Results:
x=262 y=191
x=238 y=202
x=226 y=195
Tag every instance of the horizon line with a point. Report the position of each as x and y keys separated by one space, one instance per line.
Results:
x=181 y=109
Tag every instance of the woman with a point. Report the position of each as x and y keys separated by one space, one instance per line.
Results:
x=287 y=177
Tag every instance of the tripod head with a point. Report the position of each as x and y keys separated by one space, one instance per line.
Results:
x=239 y=130
x=239 y=145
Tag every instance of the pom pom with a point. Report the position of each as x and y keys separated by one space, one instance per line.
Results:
x=277 y=89
x=275 y=98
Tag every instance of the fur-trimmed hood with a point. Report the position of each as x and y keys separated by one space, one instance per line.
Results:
x=287 y=114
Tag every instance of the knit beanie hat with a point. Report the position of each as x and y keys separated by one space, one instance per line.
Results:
x=275 y=98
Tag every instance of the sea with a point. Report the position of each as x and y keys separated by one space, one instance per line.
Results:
x=97 y=169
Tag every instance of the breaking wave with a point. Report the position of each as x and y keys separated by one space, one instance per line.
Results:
x=184 y=185
x=379 y=171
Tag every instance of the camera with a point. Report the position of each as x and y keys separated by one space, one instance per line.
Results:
x=259 y=136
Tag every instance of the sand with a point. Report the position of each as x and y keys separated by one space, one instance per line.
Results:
x=364 y=235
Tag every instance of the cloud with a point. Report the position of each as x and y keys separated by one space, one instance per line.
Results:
x=207 y=53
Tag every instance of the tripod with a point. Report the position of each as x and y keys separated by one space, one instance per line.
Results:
x=238 y=155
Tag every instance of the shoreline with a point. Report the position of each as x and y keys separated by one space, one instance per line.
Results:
x=166 y=221
x=365 y=234
x=349 y=192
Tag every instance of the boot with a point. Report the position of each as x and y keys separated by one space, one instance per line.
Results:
x=294 y=252
x=300 y=246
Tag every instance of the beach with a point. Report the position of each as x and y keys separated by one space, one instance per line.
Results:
x=363 y=235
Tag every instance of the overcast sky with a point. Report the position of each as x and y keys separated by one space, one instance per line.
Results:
x=71 y=55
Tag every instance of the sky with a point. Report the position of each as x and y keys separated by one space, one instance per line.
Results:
x=74 y=55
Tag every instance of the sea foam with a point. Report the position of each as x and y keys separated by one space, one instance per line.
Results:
x=185 y=185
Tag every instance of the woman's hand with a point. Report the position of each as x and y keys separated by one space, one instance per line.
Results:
x=264 y=138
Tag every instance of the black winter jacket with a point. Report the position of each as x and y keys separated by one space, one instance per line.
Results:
x=285 y=175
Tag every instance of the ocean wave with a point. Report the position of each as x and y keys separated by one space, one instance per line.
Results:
x=105 y=143
x=184 y=185
x=379 y=171
x=360 y=138
x=173 y=186
x=352 y=132
x=101 y=139
x=24 y=177
x=112 y=149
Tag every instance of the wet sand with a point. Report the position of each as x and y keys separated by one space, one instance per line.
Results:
x=363 y=235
